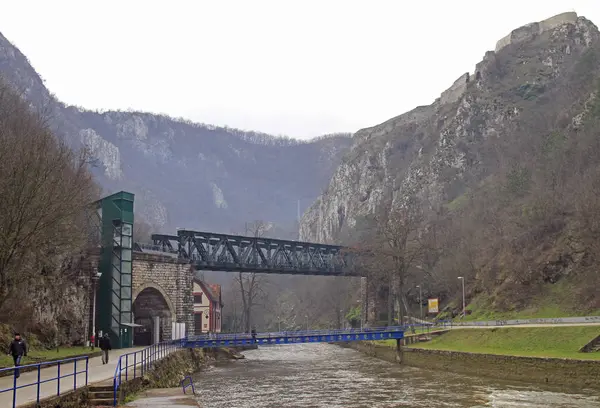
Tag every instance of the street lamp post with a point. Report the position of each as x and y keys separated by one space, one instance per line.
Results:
x=279 y=323
x=420 y=301
x=463 y=295
x=341 y=325
x=95 y=277
x=306 y=317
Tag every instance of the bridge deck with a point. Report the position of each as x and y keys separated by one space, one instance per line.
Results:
x=293 y=337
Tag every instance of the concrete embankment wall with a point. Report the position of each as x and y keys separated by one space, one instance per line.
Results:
x=552 y=371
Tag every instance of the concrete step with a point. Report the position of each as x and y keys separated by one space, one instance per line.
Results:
x=93 y=395
x=100 y=388
x=105 y=402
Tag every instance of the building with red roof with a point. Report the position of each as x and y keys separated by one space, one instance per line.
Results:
x=208 y=306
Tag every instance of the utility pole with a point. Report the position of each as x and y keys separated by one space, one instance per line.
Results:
x=463 y=295
x=420 y=301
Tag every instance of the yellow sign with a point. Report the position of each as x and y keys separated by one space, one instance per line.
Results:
x=433 y=305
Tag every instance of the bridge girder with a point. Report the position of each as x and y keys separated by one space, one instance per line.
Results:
x=236 y=253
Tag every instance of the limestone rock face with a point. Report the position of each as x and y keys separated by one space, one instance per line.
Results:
x=436 y=152
x=186 y=174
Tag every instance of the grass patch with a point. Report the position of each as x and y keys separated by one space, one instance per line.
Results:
x=37 y=356
x=392 y=342
x=558 y=342
x=130 y=398
x=556 y=300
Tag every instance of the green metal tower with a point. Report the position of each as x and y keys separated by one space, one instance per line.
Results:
x=114 y=308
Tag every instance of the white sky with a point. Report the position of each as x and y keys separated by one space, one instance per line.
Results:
x=301 y=68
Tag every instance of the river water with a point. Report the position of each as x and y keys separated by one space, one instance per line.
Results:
x=324 y=375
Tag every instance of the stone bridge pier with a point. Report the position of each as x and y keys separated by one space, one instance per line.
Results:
x=161 y=287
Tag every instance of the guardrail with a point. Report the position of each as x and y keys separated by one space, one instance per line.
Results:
x=69 y=369
x=294 y=333
x=135 y=364
x=515 y=322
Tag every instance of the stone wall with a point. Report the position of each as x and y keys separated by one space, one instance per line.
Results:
x=173 y=279
x=530 y=30
x=457 y=90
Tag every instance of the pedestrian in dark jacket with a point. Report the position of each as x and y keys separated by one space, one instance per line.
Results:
x=18 y=349
x=105 y=347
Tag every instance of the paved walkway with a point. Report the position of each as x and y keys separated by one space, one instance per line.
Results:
x=96 y=372
x=164 y=397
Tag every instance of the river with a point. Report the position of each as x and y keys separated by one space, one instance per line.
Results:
x=324 y=375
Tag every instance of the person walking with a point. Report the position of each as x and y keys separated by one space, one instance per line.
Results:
x=105 y=347
x=18 y=350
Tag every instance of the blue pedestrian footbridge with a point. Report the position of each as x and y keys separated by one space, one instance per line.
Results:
x=292 y=337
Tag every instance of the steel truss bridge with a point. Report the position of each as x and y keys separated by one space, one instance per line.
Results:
x=293 y=337
x=235 y=253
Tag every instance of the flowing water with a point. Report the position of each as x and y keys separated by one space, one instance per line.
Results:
x=323 y=375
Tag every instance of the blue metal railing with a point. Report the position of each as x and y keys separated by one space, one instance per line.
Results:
x=71 y=371
x=135 y=364
x=305 y=333
x=191 y=384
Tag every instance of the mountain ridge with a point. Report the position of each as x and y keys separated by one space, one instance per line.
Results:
x=182 y=172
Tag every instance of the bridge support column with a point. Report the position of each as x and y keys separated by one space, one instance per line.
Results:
x=399 y=351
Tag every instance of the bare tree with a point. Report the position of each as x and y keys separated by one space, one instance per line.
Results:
x=396 y=244
x=45 y=187
x=142 y=231
x=252 y=285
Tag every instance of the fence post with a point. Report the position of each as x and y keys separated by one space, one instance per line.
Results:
x=87 y=361
x=58 y=380
x=126 y=365
x=115 y=391
x=38 y=382
x=15 y=387
x=74 y=374
x=134 y=363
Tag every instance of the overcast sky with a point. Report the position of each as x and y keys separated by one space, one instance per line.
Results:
x=300 y=68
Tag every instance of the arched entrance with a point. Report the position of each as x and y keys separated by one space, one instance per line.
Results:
x=149 y=302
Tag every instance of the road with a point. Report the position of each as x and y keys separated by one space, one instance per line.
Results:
x=97 y=372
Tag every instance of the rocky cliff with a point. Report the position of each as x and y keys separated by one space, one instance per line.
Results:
x=186 y=174
x=505 y=163
x=438 y=151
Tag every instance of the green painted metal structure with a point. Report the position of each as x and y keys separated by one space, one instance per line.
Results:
x=114 y=302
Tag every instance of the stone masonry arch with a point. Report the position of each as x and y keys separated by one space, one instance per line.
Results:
x=147 y=285
x=161 y=286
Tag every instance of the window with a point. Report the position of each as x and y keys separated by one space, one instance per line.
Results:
x=198 y=298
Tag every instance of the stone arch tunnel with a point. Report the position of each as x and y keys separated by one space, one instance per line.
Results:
x=162 y=287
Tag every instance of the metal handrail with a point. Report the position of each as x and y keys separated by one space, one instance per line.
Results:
x=71 y=373
x=303 y=333
x=141 y=361
x=191 y=384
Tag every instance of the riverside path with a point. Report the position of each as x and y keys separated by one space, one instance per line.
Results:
x=97 y=372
